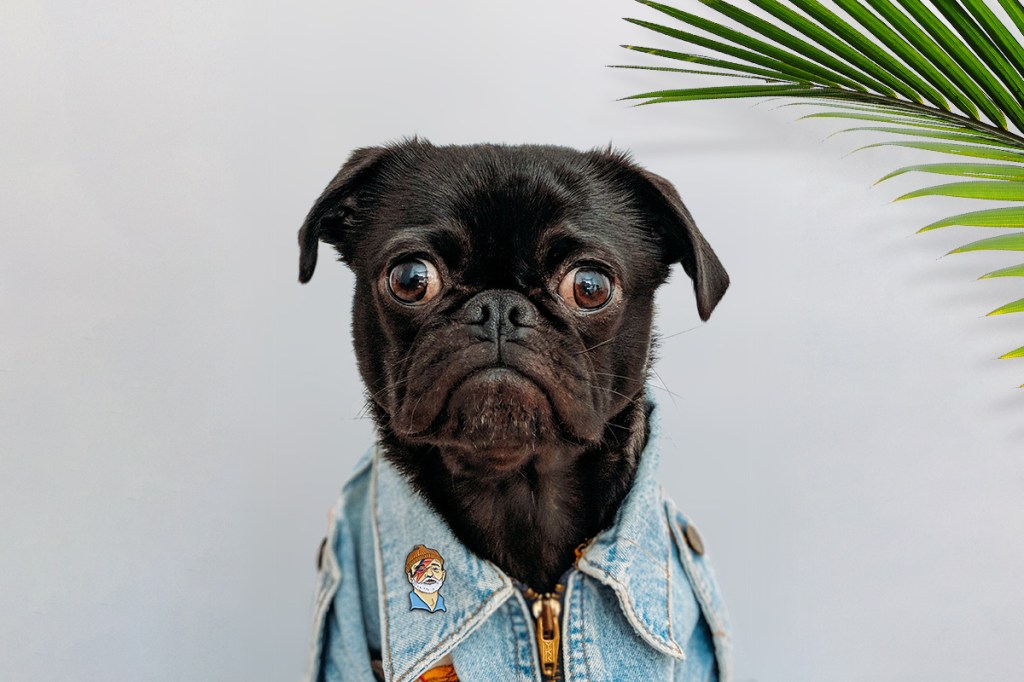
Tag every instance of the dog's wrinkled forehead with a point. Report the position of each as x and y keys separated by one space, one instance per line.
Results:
x=520 y=210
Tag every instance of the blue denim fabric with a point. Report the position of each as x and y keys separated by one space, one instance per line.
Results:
x=640 y=604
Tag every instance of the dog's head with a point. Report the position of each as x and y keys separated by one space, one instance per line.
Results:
x=504 y=294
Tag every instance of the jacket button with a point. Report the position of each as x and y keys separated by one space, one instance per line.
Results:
x=693 y=539
x=320 y=554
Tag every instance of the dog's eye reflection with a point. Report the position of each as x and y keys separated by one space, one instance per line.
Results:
x=586 y=288
x=414 y=281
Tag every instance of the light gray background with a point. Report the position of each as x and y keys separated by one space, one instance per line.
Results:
x=177 y=413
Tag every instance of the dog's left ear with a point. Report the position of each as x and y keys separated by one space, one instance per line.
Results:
x=331 y=215
x=684 y=242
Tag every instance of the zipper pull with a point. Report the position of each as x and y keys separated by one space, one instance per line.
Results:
x=546 y=611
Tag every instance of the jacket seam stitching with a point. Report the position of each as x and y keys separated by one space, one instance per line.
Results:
x=444 y=641
x=663 y=567
x=583 y=632
x=329 y=578
x=381 y=579
x=515 y=641
x=631 y=614
x=704 y=590
x=716 y=620
x=668 y=590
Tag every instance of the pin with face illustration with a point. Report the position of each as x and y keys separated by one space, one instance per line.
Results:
x=424 y=567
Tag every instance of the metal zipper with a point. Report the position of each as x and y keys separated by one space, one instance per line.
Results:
x=546 y=610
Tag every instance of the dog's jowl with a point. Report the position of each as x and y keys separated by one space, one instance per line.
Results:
x=508 y=522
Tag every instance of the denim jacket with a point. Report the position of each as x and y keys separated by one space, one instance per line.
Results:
x=641 y=602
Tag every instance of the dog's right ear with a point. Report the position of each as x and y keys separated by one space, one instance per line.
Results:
x=331 y=214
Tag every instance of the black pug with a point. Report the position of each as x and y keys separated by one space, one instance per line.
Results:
x=502 y=324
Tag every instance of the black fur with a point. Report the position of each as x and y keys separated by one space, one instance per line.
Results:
x=517 y=417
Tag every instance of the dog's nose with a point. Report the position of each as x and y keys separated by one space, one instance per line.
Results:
x=499 y=314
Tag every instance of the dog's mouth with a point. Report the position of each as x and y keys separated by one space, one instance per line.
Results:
x=495 y=408
x=495 y=378
x=494 y=415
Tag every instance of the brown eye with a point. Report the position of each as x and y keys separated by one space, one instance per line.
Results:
x=414 y=281
x=586 y=288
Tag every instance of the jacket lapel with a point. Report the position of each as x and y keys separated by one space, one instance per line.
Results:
x=412 y=640
x=632 y=555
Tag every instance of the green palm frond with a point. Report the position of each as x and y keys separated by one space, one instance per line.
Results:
x=945 y=77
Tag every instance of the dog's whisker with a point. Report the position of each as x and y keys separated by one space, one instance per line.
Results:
x=612 y=390
x=401 y=362
x=614 y=376
x=396 y=383
x=685 y=331
x=597 y=345
x=671 y=394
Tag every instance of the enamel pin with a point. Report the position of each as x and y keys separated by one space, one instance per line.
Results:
x=424 y=567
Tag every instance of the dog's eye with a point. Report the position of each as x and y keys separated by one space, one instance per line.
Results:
x=586 y=288
x=414 y=281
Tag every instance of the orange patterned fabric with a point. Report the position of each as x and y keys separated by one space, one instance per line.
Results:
x=444 y=673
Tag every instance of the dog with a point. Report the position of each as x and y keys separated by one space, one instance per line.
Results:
x=502 y=326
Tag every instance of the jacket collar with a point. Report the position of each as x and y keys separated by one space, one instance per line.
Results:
x=631 y=557
x=412 y=641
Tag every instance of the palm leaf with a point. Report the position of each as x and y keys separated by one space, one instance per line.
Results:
x=934 y=131
x=1015 y=307
x=1000 y=37
x=992 y=190
x=872 y=52
x=1019 y=353
x=903 y=49
x=756 y=51
x=704 y=72
x=945 y=78
x=958 y=149
x=1015 y=11
x=939 y=55
x=787 y=39
x=718 y=63
x=919 y=122
x=973 y=73
x=992 y=171
x=724 y=92
x=996 y=217
x=1008 y=242
x=1012 y=271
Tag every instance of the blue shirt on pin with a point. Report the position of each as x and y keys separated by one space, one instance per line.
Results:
x=416 y=603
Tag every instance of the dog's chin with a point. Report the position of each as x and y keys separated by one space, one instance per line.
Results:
x=495 y=420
